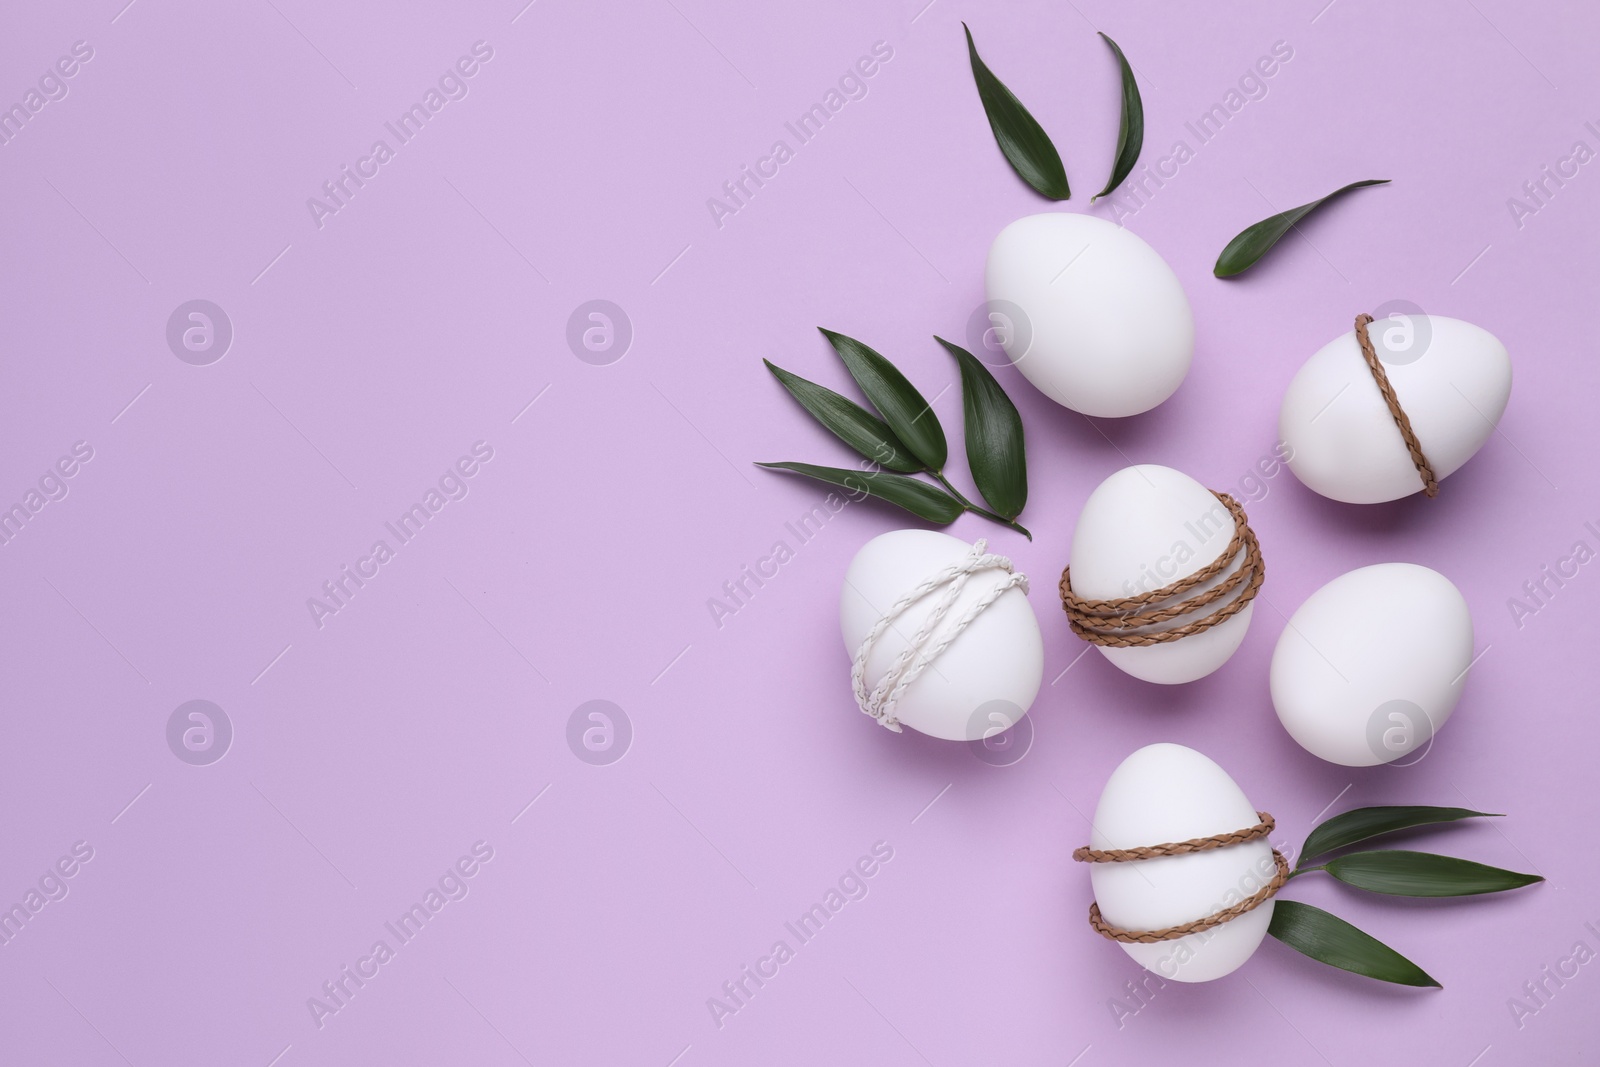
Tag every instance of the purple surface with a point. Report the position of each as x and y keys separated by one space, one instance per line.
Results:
x=371 y=352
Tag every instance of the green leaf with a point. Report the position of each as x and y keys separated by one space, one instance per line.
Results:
x=1131 y=139
x=1255 y=241
x=1422 y=874
x=896 y=399
x=1360 y=824
x=1019 y=135
x=1329 y=939
x=849 y=421
x=919 y=498
x=995 y=451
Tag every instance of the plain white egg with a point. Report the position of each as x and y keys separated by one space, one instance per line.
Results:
x=1452 y=380
x=1372 y=664
x=1143 y=528
x=1097 y=320
x=993 y=668
x=1165 y=793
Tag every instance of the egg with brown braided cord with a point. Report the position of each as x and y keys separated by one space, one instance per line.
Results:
x=1182 y=869
x=1393 y=405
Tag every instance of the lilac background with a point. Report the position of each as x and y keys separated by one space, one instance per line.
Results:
x=370 y=353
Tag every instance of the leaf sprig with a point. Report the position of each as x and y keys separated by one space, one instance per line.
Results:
x=1255 y=241
x=905 y=437
x=1130 y=137
x=1023 y=141
x=1029 y=149
x=1396 y=872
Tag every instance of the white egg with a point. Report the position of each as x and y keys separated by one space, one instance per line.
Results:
x=1099 y=322
x=1143 y=528
x=1166 y=793
x=1451 y=378
x=994 y=667
x=1372 y=664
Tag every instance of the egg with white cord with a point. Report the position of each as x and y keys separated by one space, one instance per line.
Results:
x=941 y=635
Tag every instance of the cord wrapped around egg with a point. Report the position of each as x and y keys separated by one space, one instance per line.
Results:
x=1163 y=574
x=1183 y=875
x=1394 y=406
x=941 y=635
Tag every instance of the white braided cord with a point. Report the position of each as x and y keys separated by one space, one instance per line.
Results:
x=919 y=653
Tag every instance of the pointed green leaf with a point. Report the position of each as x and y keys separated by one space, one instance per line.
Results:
x=1363 y=823
x=919 y=498
x=1019 y=136
x=1255 y=241
x=896 y=399
x=849 y=421
x=1329 y=939
x=1131 y=139
x=1423 y=874
x=994 y=436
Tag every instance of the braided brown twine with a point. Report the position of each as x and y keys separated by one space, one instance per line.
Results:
x=1430 y=484
x=1178 y=848
x=1107 y=622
